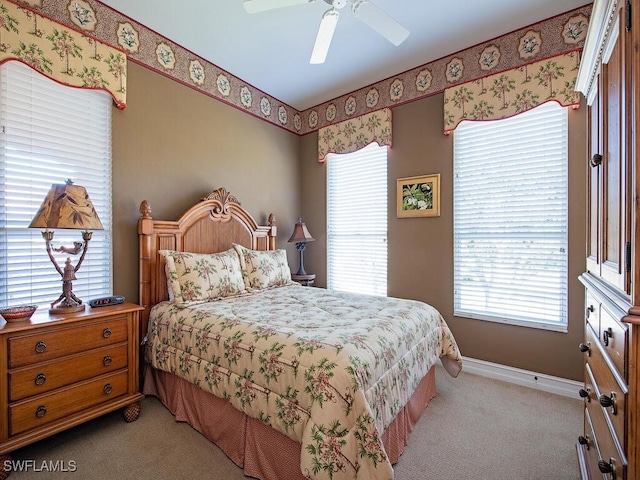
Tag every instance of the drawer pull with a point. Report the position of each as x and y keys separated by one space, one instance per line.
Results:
x=40 y=347
x=106 y=361
x=40 y=379
x=41 y=411
x=107 y=389
x=106 y=333
x=605 y=467
x=584 y=394
x=606 y=335
x=584 y=440
x=608 y=402
x=595 y=160
x=585 y=348
x=590 y=310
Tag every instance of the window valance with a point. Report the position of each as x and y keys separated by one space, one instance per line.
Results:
x=62 y=54
x=513 y=91
x=355 y=133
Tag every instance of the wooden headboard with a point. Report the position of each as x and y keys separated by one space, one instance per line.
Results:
x=210 y=226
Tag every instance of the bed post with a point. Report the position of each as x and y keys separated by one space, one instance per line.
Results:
x=273 y=232
x=145 y=230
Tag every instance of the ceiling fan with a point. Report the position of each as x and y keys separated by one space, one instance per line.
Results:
x=364 y=10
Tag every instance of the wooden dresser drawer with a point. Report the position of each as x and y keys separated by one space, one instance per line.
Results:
x=42 y=378
x=604 y=387
x=606 y=447
x=592 y=312
x=44 y=409
x=590 y=450
x=614 y=339
x=41 y=346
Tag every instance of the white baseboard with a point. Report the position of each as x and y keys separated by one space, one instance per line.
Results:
x=539 y=381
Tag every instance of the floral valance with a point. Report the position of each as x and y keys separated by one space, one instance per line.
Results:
x=513 y=91
x=355 y=133
x=60 y=53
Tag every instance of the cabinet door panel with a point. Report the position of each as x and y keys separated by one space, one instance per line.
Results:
x=615 y=179
x=594 y=185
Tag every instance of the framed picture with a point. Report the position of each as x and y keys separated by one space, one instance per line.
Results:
x=419 y=196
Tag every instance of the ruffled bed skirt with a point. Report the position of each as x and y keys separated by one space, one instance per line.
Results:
x=259 y=450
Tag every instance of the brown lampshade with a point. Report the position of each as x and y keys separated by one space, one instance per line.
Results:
x=301 y=233
x=67 y=206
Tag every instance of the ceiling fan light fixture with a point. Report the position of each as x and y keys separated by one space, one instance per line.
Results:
x=380 y=21
x=325 y=34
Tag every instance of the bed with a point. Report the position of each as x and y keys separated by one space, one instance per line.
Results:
x=291 y=382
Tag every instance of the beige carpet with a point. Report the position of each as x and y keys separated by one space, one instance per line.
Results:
x=475 y=429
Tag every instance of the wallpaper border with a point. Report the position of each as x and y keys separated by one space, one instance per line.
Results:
x=553 y=36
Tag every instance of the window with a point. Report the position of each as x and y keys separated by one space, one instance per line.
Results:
x=357 y=221
x=50 y=133
x=510 y=219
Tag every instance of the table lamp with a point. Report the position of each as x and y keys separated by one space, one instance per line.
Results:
x=67 y=206
x=301 y=236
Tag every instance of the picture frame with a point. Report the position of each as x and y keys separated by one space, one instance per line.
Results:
x=419 y=196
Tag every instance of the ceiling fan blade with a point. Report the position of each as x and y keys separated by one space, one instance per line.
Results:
x=380 y=21
x=256 y=6
x=324 y=36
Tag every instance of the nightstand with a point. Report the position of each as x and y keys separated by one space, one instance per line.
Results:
x=62 y=370
x=306 y=280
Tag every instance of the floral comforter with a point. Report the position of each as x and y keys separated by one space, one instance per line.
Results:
x=330 y=370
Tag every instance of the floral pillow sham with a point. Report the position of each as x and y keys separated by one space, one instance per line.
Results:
x=202 y=277
x=263 y=269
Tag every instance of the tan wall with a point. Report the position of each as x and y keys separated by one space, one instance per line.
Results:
x=421 y=249
x=172 y=145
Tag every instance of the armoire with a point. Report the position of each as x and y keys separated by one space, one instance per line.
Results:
x=609 y=78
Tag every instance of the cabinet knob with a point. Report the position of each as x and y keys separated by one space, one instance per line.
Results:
x=41 y=411
x=608 y=402
x=584 y=440
x=107 y=389
x=605 y=467
x=584 y=394
x=596 y=160
x=606 y=335
x=40 y=379
x=106 y=361
x=40 y=346
x=106 y=333
x=585 y=347
x=590 y=310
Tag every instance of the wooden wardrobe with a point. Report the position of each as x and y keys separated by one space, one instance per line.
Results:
x=609 y=77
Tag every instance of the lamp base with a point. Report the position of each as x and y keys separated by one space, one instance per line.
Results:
x=62 y=309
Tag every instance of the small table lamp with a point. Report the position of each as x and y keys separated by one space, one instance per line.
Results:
x=301 y=236
x=67 y=206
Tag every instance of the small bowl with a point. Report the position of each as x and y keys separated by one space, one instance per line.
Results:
x=19 y=313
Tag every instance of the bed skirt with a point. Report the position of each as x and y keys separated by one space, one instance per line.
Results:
x=259 y=450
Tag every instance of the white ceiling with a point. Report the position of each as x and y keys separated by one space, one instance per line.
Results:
x=271 y=50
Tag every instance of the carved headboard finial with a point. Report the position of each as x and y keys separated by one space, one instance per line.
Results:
x=221 y=195
x=223 y=200
x=145 y=209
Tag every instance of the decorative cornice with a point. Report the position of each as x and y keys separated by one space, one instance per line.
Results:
x=555 y=36
x=603 y=14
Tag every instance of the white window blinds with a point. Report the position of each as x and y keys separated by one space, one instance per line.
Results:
x=357 y=221
x=50 y=133
x=510 y=219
